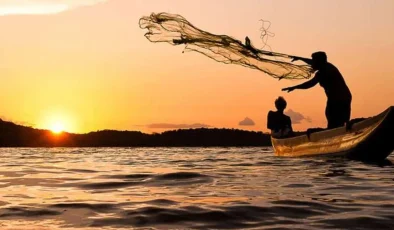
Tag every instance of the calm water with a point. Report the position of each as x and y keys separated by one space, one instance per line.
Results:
x=183 y=188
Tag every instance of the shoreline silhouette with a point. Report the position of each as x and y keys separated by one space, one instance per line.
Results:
x=14 y=135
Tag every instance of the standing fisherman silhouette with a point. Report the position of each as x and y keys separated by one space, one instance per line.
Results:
x=339 y=98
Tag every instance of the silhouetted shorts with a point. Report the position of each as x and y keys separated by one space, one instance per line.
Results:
x=338 y=113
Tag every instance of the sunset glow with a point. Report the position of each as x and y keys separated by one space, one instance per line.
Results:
x=35 y=7
x=52 y=9
x=96 y=66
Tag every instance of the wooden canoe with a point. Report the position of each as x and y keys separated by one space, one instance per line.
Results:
x=369 y=140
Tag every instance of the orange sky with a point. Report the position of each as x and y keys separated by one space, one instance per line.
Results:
x=89 y=67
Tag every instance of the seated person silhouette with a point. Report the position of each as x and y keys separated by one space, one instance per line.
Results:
x=278 y=122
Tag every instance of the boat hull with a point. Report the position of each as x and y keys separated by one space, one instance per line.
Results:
x=368 y=140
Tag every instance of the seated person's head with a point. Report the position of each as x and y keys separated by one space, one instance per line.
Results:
x=280 y=104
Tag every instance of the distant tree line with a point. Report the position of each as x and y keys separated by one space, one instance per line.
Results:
x=13 y=135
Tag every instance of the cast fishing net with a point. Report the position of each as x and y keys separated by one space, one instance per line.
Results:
x=176 y=30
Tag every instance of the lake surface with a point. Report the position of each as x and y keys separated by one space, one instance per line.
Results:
x=190 y=188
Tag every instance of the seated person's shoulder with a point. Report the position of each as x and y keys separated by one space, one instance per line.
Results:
x=272 y=113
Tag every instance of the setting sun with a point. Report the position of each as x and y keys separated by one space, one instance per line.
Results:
x=57 y=127
x=57 y=120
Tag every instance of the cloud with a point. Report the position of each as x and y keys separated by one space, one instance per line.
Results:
x=9 y=7
x=176 y=126
x=296 y=117
x=247 y=122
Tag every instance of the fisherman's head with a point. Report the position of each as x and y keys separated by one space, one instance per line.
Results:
x=319 y=59
x=280 y=104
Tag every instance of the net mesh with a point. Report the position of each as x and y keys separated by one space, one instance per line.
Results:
x=176 y=30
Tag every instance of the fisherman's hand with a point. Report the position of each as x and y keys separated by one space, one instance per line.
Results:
x=288 y=89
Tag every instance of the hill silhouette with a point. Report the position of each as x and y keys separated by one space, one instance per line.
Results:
x=13 y=135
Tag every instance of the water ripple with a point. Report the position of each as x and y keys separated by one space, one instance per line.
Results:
x=190 y=188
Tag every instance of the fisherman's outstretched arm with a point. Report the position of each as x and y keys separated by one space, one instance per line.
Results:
x=305 y=85
x=306 y=60
x=308 y=84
